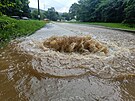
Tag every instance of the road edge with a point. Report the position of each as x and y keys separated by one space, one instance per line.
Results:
x=119 y=29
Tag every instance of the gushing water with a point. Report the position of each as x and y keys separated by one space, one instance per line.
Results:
x=30 y=71
x=118 y=63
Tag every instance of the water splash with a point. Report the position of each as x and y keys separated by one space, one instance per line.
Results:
x=118 y=63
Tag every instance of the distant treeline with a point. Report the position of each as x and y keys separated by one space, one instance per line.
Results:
x=121 y=11
x=103 y=11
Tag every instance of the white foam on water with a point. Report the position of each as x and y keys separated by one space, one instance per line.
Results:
x=118 y=62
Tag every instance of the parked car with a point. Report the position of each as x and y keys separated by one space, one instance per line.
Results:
x=46 y=19
x=25 y=18
x=16 y=17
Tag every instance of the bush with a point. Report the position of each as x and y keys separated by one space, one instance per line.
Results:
x=12 y=28
x=0 y=13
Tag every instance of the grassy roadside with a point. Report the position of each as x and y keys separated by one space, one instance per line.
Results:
x=12 y=28
x=111 y=25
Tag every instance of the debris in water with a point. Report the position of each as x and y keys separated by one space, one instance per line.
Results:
x=79 y=44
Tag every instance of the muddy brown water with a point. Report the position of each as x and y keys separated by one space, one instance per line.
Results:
x=28 y=72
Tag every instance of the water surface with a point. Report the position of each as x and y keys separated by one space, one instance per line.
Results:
x=30 y=73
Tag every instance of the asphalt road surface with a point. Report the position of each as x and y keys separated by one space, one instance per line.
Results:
x=29 y=72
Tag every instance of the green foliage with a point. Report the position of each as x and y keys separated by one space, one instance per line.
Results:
x=34 y=14
x=104 y=11
x=1 y=14
x=52 y=14
x=130 y=12
x=73 y=11
x=11 y=28
x=65 y=16
x=15 y=7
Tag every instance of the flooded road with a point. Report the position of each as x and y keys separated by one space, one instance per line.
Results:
x=29 y=72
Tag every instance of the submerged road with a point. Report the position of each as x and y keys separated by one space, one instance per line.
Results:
x=30 y=73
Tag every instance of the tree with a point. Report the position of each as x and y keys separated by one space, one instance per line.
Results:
x=113 y=11
x=130 y=12
x=5 y=5
x=73 y=11
x=52 y=14
x=104 y=10
x=25 y=8
x=15 y=7
x=34 y=14
x=87 y=10
x=65 y=16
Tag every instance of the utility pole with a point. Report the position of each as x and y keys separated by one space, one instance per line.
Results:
x=44 y=6
x=38 y=11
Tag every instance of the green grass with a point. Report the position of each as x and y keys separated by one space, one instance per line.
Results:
x=111 y=25
x=12 y=28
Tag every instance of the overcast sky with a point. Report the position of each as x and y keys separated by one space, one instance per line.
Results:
x=59 y=5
